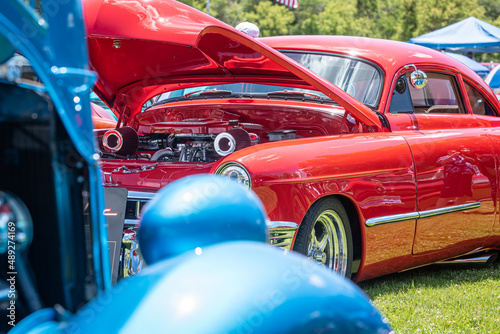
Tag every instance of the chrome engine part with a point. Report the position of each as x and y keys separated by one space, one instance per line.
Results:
x=123 y=141
x=233 y=140
x=170 y=143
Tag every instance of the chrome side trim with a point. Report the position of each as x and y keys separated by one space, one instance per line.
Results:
x=281 y=234
x=449 y=209
x=391 y=219
x=418 y=215
x=140 y=195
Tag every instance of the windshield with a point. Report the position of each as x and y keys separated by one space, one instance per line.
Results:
x=360 y=79
x=243 y=90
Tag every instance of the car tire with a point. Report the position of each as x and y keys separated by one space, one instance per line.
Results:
x=325 y=236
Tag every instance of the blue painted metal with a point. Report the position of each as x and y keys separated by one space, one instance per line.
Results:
x=42 y=321
x=6 y=49
x=54 y=43
x=198 y=211
x=234 y=287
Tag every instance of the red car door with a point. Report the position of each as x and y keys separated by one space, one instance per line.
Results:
x=454 y=163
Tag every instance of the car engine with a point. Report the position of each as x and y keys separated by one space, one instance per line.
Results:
x=194 y=140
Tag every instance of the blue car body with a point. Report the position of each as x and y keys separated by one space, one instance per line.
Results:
x=493 y=80
x=50 y=161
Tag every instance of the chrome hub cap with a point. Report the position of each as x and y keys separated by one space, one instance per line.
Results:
x=320 y=257
x=328 y=242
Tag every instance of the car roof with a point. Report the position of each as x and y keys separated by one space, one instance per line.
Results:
x=389 y=55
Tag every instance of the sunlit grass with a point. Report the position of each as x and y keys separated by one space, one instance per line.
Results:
x=450 y=298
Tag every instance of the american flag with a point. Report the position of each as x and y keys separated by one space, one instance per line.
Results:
x=289 y=3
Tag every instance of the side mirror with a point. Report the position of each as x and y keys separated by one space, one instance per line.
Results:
x=418 y=78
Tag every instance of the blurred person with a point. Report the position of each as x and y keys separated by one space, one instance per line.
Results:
x=249 y=29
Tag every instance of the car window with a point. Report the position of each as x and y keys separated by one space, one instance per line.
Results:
x=478 y=102
x=440 y=95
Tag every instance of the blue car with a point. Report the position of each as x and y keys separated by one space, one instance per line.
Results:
x=493 y=80
x=54 y=246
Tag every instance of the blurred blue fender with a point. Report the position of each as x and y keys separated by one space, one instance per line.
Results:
x=232 y=287
x=211 y=272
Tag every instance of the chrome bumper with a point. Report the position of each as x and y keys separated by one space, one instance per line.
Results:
x=131 y=259
x=281 y=234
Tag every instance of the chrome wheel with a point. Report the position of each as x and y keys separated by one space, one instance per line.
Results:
x=325 y=236
x=327 y=243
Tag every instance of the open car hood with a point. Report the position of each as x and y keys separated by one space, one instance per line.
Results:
x=141 y=48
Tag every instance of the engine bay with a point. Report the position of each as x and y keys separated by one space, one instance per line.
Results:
x=202 y=135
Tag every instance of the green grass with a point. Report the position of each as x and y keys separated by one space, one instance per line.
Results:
x=448 y=298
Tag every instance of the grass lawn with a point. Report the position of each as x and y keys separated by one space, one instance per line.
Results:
x=447 y=298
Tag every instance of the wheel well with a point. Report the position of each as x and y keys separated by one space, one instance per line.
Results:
x=352 y=213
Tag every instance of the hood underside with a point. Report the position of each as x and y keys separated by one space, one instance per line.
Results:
x=142 y=48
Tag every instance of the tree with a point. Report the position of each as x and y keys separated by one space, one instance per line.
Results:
x=306 y=17
x=367 y=8
x=397 y=19
x=224 y=10
x=271 y=18
x=435 y=14
x=340 y=18
x=492 y=10
x=391 y=19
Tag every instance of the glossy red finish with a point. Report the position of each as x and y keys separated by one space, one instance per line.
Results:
x=378 y=186
x=211 y=116
x=147 y=176
x=378 y=163
x=101 y=118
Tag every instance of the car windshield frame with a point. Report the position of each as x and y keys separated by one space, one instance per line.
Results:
x=247 y=90
x=352 y=68
x=373 y=103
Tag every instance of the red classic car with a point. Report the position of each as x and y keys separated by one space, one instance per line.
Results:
x=370 y=156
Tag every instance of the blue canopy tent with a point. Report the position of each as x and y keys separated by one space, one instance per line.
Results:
x=471 y=63
x=469 y=35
